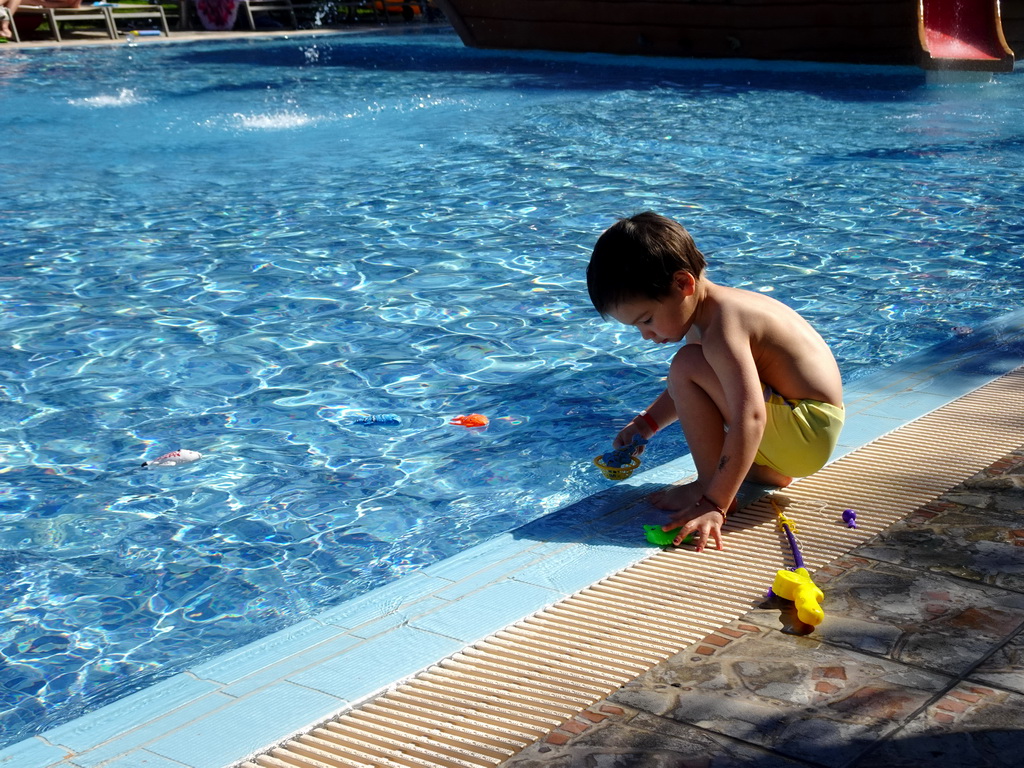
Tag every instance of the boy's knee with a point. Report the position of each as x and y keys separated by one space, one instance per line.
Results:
x=688 y=367
x=686 y=362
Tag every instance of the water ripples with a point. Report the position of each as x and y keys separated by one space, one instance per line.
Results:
x=278 y=245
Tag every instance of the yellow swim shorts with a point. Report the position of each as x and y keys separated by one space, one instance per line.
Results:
x=799 y=435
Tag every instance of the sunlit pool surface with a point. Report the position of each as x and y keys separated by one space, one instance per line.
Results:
x=241 y=248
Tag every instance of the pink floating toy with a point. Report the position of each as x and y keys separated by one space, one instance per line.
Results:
x=472 y=420
x=174 y=458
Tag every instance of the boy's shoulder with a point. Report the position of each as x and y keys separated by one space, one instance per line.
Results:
x=735 y=303
x=742 y=300
x=738 y=311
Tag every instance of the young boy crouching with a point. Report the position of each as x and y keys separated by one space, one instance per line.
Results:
x=755 y=388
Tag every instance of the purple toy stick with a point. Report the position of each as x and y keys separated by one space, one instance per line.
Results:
x=798 y=560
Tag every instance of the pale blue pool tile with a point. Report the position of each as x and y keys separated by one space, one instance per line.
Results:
x=627 y=534
x=952 y=386
x=638 y=504
x=120 y=746
x=485 y=576
x=397 y=618
x=575 y=521
x=903 y=391
x=581 y=566
x=592 y=509
x=382 y=601
x=232 y=666
x=858 y=431
x=140 y=708
x=245 y=726
x=996 y=363
x=869 y=406
x=951 y=369
x=483 y=555
x=863 y=390
x=677 y=470
x=32 y=753
x=374 y=665
x=620 y=527
x=865 y=394
x=480 y=614
x=910 y=405
x=143 y=759
x=285 y=667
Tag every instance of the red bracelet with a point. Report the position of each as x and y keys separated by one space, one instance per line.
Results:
x=649 y=421
x=714 y=506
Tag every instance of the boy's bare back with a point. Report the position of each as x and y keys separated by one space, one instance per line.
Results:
x=788 y=354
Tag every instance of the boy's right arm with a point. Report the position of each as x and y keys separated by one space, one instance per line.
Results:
x=662 y=412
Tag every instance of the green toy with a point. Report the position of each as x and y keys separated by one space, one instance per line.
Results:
x=660 y=538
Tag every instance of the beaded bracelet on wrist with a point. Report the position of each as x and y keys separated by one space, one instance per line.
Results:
x=714 y=506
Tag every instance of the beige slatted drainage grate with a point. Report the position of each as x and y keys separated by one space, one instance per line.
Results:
x=488 y=702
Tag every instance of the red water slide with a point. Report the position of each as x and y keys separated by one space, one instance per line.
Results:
x=962 y=34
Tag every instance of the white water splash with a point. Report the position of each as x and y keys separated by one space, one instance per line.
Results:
x=274 y=121
x=124 y=98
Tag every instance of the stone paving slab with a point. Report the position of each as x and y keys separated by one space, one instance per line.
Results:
x=919 y=662
x=915 y=616
x=618 y=735
x=797 y=696
x=975 y=532
x=969 y=727
x=1004 y=668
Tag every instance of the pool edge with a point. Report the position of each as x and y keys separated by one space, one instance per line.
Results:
x=429 y=615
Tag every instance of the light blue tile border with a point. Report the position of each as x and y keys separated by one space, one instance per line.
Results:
x=228 y=708
x=32 y=753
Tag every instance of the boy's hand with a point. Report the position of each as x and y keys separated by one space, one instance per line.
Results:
x=640 y=425
x=625 y=437
x=706 y=525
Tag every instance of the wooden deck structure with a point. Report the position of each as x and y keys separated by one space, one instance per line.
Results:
x=854 y=31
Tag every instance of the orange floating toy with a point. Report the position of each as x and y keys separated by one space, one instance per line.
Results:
x=473 y=420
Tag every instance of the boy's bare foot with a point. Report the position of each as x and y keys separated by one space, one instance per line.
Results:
x=680 y=497
x=767 y=476
x=677 y=496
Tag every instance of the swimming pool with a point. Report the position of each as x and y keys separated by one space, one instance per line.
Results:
x=239 y=248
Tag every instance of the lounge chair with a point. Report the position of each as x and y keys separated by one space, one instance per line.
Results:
x=248 y=7
x=119 y=11
x=57 y=16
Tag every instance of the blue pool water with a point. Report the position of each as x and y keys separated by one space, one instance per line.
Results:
x=240 y=248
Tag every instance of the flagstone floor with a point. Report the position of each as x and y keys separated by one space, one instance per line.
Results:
x=919 y=662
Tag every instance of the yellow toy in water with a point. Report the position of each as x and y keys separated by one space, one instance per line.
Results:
x=796 y=585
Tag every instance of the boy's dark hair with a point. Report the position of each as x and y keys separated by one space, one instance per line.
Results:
x=637 y=257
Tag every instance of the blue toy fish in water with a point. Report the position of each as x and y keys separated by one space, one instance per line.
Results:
x=382 y=419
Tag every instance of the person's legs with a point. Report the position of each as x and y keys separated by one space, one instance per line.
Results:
x=700 y=403
x=698 y=397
